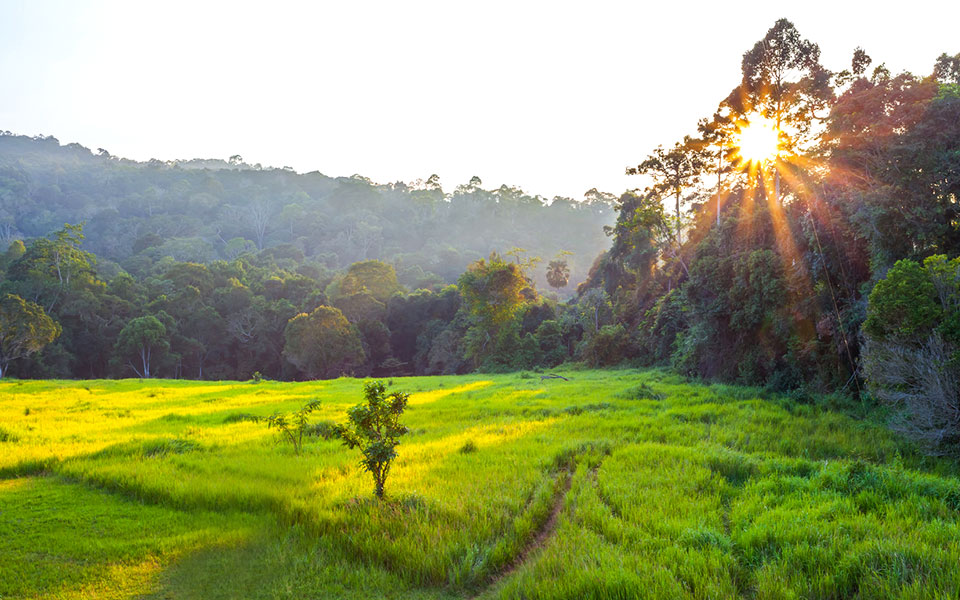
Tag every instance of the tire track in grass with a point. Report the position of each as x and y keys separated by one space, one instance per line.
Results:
x=536 y=543
x=568 y=467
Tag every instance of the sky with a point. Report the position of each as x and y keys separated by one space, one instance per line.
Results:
x=553 y=97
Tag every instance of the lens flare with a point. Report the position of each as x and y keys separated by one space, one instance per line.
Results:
x=758 y=140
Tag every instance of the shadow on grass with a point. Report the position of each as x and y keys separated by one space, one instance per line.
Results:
x=286 y=563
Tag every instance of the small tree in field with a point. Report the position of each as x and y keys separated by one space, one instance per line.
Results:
x=292 y=427
x=374 y=427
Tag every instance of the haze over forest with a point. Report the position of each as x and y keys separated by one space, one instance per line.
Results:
x=553 y=98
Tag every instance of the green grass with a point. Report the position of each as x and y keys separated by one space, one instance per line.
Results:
x=168 y=489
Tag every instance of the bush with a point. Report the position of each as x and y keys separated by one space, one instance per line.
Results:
x=294 y=426
x=911 y=355
x=374 y=427
x=608 y=346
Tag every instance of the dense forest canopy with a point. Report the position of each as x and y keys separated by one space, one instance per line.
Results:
x=139 y=214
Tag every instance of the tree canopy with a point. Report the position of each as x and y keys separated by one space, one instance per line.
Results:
x=24 y=329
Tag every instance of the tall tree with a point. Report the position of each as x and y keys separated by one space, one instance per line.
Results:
x=24 y=329
x=323 y=343
x=373 y=276
x=784 y=81
x=493 y=294
x=52 y=268
x=673 y=171
x=558 y=273
x=492 y=289
x=145 y=338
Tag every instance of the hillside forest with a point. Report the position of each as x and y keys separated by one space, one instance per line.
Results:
x=803 y=236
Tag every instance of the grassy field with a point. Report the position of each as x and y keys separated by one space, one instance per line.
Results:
x=616 y=484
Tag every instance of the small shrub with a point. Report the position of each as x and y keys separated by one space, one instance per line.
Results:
x=241 y=418
x=580 y=409
x=164 y=447
x=323 y=429
x=641 y=392
x=374 y=427
x=294 y=426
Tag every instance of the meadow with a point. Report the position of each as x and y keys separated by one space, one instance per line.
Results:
x=615 y=484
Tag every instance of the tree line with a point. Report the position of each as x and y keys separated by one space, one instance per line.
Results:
x=142 y=216
x=822 y=257
x=264 y=315
x=830 y=263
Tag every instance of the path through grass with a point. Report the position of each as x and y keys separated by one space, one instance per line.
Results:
x=616 y=484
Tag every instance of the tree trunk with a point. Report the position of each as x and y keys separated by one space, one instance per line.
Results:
x=145 y=361
x=678 y=216
x=719 y=180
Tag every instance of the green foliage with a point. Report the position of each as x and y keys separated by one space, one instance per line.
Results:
x=145 y=338
x=24 y=329
x=784 y=80
x=322 y=343
x=361 y=306
x=549 y=337
x=607 y=347
x=558 y=273
x=50 y=269
x=491 y=291
x=372 y=276
x=903 y=305
x=912 y=354
x=293 y=426
x=374 y=427
x=641 y=234
x=673 y=171
x=231 y=253
x=15 y=250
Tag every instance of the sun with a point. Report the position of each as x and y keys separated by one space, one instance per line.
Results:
x=758 y=140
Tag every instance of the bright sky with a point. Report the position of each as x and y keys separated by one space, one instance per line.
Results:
x=555 y=97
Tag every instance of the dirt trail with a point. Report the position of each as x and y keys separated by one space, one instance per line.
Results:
x=538 y=541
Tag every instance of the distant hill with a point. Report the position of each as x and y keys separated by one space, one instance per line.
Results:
x=201 y=210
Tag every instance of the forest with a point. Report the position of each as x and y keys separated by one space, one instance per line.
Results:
x=804 y=236
x=739 y=378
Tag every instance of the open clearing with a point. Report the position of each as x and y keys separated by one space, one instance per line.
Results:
x=616 y=484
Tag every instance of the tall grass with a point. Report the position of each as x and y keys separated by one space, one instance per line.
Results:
x=676 y=490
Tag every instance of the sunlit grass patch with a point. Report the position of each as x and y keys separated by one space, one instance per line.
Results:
x=616 y=483
x=434 y=395
x=63 y=540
